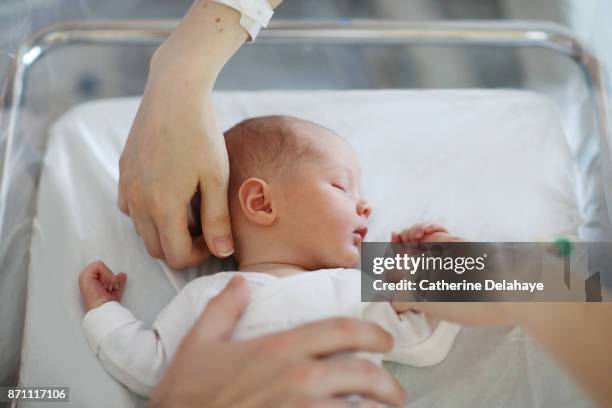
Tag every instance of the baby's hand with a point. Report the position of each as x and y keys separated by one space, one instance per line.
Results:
x=421 y=233
x=99 y=285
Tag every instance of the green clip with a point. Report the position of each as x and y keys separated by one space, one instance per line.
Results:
x=563 y=246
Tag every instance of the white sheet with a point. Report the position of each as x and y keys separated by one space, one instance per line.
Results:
x=490 y=165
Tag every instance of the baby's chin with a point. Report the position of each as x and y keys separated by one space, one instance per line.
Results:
x=349 y=257
x=343 y=256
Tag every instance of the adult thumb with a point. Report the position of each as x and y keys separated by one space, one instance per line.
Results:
x=219 y=318
x=214 y=214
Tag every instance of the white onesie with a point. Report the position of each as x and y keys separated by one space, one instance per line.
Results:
x=136 y=356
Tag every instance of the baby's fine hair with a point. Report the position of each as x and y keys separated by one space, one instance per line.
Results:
x=268 y=146
x=263 y=147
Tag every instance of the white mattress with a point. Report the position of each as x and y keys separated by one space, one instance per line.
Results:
x=490 y=165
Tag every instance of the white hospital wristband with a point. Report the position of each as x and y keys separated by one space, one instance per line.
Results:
x=254 y=14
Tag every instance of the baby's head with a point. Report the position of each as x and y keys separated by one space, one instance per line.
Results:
x=294 y=194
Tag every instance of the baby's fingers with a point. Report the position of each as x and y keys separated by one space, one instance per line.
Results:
x=433 y=228
x=396 y=238
x=92 y=270
x=119 y=285
x=94 y=292
x=413 y=233
x=107 y=278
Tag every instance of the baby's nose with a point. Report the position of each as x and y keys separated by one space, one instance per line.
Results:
x=363 y=208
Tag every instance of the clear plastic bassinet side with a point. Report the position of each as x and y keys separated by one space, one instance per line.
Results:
x=15 y=236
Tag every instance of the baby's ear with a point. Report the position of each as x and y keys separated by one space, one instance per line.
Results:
x=256 y=201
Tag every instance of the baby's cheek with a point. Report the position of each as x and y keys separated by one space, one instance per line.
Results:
x=342 y=216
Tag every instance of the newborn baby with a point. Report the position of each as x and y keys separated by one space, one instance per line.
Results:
x=298 y=219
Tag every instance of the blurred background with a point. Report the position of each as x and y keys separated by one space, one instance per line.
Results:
x=74 y=74
x=589 y=18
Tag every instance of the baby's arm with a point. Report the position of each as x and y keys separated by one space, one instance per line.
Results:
x=418 y=340
x=133 y=355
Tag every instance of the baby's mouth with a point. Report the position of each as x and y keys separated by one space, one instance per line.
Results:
x=359 y=234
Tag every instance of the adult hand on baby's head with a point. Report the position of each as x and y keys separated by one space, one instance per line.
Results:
x=99 y=285
x=174 y=148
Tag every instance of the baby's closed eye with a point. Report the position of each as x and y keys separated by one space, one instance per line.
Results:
x=340 y=186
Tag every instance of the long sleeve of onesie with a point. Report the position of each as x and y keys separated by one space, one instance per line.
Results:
x=132 y=353
x=136 y=355
x=418 y=341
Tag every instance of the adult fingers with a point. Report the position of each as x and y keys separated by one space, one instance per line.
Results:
x=220 y=316
x=349 y=376
x=343 y=403
x=200 y=252
x=177 y=244
x=215 y=218
x=329 y=336
x=150 y=235
x=332 y=402
x=133 y=214
x=122 y=193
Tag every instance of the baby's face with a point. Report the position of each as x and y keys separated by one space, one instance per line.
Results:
x=322 y=211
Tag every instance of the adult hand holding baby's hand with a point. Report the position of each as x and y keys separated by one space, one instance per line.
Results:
x=99 y=285
x=424 y=232
x=476 y=313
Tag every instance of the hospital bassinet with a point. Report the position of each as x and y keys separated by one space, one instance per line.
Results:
x=552 y=63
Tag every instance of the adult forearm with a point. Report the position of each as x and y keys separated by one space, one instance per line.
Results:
x=579 y=337
x=205 y=39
